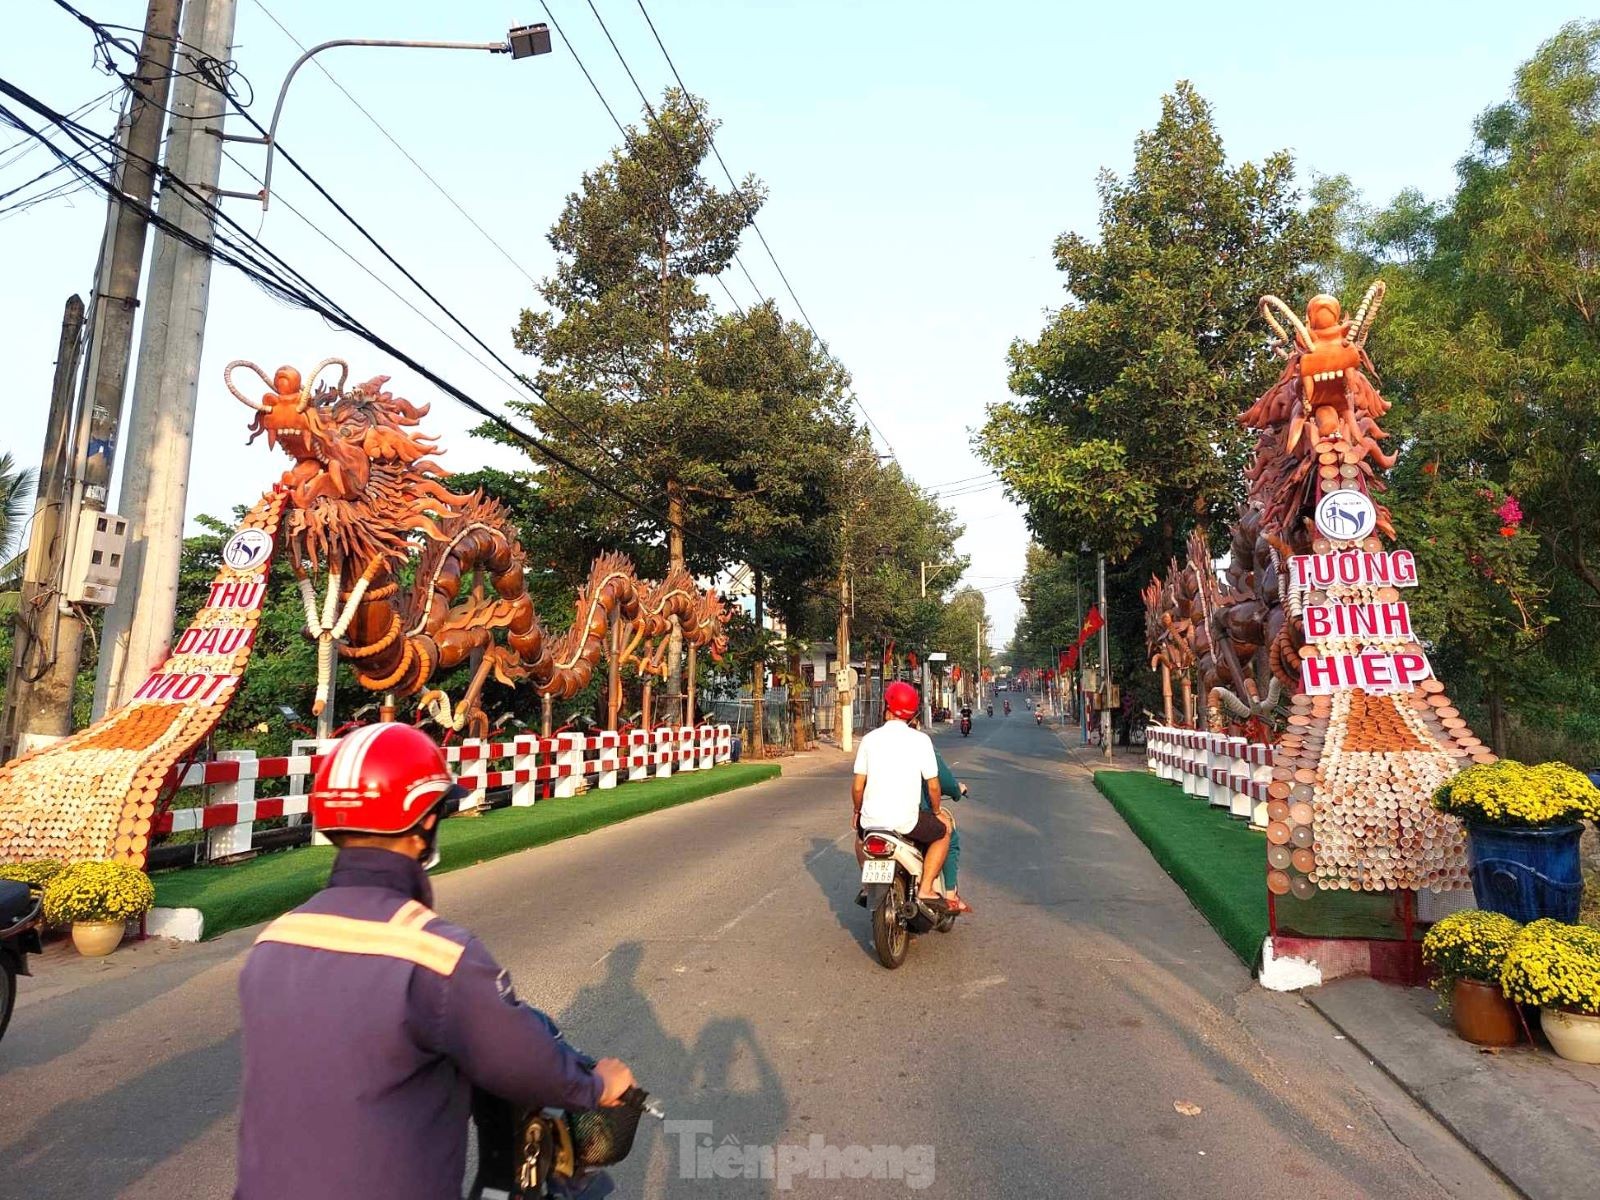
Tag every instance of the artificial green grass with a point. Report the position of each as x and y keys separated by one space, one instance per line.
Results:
x=264 y=887
x=1221 y=864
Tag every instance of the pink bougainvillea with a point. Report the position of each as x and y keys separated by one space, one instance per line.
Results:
x=1510 y=512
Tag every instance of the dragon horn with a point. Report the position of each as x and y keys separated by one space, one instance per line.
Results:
x=1267 y=304
x=227 y=378
x=1367 y=313
x=311 y=379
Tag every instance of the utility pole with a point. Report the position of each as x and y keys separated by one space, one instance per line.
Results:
x=758 y=680
x=137 y=633
x=110 y=322
x=33 y=642
x=842 y=691
x=1105 y=664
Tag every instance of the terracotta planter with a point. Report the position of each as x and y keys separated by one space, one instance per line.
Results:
x=1482 y=1015
x=1574 y=1036
x=95 y=939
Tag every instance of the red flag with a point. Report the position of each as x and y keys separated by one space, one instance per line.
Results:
x=1068 y=657
x=955 y=673
x=1092 y=624
x=911 y=659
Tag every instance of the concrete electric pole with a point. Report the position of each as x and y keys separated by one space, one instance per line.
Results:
x=155 y=478
x=1105 y=665
x=110 y=325
x=33 y=643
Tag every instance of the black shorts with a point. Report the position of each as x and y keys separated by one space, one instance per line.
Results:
x=928 y=829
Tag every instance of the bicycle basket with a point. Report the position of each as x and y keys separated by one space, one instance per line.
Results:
x=602 y=1137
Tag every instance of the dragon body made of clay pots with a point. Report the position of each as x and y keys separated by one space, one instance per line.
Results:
x=365 y=499
x=1317 y=422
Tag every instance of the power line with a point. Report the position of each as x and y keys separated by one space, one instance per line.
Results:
x=670 y=143
x=712 y=142
x=393 y=141
x=626 y=135
x=260 y=264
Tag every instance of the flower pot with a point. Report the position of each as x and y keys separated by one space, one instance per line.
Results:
x=1482 y=1015
x=1574 y=1036
x=1527 y=873
x=95 y=939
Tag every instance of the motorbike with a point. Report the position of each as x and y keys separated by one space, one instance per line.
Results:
x=1008 y=708
x=20 y=905
x=966 y=724
x=991 y=710
x=890 y=875
x=553 y=1153
x=1038 y=717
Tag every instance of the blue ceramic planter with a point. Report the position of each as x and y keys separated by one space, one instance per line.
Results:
x=1526 y=873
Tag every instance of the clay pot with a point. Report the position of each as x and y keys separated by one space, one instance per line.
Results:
x=1482 y=1015
x=95 y=939
x=1574 y=1036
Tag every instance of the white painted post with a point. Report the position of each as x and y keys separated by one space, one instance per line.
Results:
x=228 y=840
x=724 y=743
x=300 y=785
x=525 y=761
x=705 y=748
x=470 y=770
x=665 y=740
x=638 y=755
x=610 y=743
x=569 y=762
x=684 y=751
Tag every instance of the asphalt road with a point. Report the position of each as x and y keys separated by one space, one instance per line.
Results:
x=1039 y=1050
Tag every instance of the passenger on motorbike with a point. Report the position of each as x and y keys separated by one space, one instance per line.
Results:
x=950 y=786
x=893 y=763
x=367 y=1019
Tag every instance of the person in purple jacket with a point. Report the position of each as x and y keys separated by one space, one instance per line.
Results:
x=367 y=1019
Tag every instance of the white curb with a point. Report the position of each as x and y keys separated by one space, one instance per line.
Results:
x=179 y=924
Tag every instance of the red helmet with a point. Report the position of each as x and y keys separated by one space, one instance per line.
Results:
x=901 y=699
x=381 y=779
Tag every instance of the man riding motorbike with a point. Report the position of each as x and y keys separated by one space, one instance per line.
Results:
x=367 y=1019
x=892 y=764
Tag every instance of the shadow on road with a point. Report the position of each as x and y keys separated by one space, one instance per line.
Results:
x=104 y=1144
x=834 y=869
x=725 y=1080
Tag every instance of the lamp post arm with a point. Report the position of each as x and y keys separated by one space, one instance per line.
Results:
x=271 y=139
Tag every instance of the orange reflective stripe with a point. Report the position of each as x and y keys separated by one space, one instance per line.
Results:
x=413 y=914
x=349 y=935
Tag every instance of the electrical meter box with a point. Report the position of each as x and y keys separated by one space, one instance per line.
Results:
x=97 y=559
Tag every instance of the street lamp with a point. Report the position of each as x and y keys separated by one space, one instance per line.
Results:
x=522 y=41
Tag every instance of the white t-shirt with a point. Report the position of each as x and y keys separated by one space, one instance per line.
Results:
x=895 y=758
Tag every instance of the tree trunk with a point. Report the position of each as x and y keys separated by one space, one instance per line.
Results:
x=758 y=682
x=797 y=734
x=675 y=561
x=1497 y=722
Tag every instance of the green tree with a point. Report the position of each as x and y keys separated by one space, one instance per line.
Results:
x=1491 y=353
x=16 y=492
x=1124 y=430
x=625 y=314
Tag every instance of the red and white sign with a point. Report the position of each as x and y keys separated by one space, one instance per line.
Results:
x=1395 y=568
x=1373 y=671
x=1388 y=622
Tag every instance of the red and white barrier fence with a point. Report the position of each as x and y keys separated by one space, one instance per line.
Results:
x=530 y=766
x=1228 y=772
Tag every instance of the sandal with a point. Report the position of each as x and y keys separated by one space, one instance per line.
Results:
x=934 y=904
x=960 y=906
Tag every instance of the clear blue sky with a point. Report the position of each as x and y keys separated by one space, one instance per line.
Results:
x=921 y=158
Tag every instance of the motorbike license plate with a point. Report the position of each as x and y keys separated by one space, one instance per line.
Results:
x=877 y=870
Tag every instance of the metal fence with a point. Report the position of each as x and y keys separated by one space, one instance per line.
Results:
x=787 y=723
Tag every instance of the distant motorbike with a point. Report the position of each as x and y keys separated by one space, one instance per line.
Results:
x=890 y=875
x=966 y=724
x=1038 y=718
x=1008 y=708
x=991 y=710
x=19 y=937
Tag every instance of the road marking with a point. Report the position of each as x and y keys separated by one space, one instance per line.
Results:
x=981 y=985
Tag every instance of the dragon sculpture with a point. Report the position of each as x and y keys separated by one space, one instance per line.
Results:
x=364 y=491
x=1359 y=744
